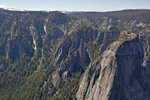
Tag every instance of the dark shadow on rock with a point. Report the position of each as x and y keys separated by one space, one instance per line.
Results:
x=128 y=81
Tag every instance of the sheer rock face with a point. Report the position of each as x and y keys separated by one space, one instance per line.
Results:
x=97 y=80
x=128 y=80
x=118 y=75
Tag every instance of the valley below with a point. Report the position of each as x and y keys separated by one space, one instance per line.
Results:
x=75 y=55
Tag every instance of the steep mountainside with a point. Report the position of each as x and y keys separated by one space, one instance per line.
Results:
x=75 y=55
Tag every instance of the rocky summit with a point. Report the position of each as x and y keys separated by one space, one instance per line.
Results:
x=75 y=55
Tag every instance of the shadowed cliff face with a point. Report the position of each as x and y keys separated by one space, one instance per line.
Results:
x=118 y=75
x=132 y=78
x=128 y=81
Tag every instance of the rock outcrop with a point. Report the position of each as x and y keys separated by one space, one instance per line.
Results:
x=118 y=74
